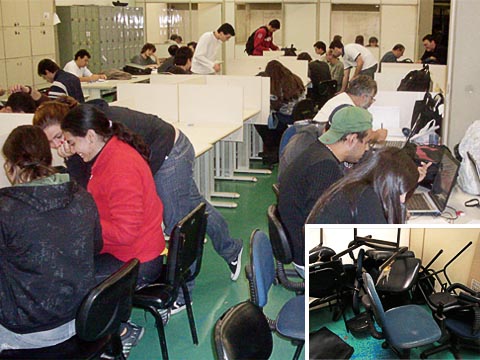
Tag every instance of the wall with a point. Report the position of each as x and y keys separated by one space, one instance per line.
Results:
x=90 y=2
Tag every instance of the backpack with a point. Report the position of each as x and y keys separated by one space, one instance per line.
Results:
x=416 y=80
x=468 y=174
x=249 y=46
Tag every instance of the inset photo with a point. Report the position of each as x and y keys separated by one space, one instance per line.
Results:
x=386 y=293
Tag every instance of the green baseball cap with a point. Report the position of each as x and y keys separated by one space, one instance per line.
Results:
x=346 y=121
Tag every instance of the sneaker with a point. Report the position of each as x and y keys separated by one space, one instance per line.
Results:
x=165 y=314
x=236 y=266
x=177 y=307
x=131 y=337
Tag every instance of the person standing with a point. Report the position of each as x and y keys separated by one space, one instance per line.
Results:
x=357 y=56
x=203 y=61
x=78 y=67
x=263 y=40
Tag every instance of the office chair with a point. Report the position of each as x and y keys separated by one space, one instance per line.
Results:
x=183 y=265
x=97 y=323
x=290 y=321
x=404 y=327
x=282 y=252
x=242 y=332
x=323 y=91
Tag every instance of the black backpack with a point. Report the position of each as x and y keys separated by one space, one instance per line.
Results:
x=249 y=46
x=416 y=80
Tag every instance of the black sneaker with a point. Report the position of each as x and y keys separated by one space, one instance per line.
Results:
x=236 y=266
x=131 y=337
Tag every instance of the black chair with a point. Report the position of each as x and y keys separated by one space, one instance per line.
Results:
x=282 y=252
x=97 y=322
x=242 y=332
x=183 y=265
x=323 y=91
x=290 y=321
x=404 y=327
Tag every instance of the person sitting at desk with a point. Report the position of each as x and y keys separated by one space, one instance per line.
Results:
x=286 y=90
x=361 y=92
x=336 y=67
x=78 y=67
x=63 y=83
x=374 y=192
x=393 y=55
x=19 y=102
x=317 y=168
x=320 y=49
x=36 y=95
x=434 y=53
x=182 y=61
x=168 y=63
x=50 y=234
x=171 y=163
x=147 y=57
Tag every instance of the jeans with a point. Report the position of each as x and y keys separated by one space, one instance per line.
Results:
x=107 y=264
x=179 y=194
x=12 y=340
x=370 y=71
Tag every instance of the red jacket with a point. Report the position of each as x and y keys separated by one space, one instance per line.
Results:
x=131 y=213
x=263 y=41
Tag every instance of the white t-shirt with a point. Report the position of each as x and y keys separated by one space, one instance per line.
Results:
x=73 y=68
x=332 y=104
x=351 y=52
x=205 y=53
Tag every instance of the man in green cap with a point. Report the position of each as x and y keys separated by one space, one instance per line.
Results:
x=317 y=168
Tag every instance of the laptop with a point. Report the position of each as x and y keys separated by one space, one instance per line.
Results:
x=435 y=201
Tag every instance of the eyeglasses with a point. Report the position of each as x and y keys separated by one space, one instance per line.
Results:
x=372 y=98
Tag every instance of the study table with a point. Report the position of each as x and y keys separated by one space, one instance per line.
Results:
x=94 y=89
x=469 y=215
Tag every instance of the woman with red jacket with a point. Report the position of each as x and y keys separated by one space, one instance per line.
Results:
x=123 y=188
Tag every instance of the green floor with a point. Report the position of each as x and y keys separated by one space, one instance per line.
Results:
x=215 y=292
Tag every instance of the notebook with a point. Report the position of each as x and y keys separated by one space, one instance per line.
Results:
x=435 y=201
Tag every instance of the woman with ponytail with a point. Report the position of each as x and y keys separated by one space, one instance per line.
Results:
x=123 y=188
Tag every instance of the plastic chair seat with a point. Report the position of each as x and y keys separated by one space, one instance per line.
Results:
x=73 y=348
x=403 y=275
x=291 y=319
x=461 y=329
x=156 y=295
x=413 y=326
x=446 y=299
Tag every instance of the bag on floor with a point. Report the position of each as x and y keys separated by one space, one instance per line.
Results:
x=468 y=174
x=416 y=80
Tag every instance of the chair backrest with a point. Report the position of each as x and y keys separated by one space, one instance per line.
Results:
x=278 y=237
x=186 y=247
x=377 y=306
x=108 y=304
x=327 y=88
x=326 y=278
x=242 y=332
x=262 y=267
x=304 y=109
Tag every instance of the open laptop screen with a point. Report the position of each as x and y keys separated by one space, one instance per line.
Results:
x=445 y=179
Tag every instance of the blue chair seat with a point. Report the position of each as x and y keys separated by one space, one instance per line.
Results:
x=291 y=319
x=462 y=329
x=412 y=325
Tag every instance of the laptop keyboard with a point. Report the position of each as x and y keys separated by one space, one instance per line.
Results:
x=418 y=202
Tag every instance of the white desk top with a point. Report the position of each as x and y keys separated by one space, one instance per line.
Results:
x=471 y=215
x=112 y=84
x=207 y=133
x=248 y=113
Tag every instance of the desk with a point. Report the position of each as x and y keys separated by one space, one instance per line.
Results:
x=456 y=201
x=212 y=134
x=94 y=89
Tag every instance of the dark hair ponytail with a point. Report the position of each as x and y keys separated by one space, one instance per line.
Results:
x=85 y=117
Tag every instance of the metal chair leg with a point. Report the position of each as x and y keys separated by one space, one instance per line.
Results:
x=298 y=351
x=191 y=320
x=161 y=332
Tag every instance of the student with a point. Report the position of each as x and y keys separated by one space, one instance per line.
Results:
x=354 y=55
x=320 y=49
x=336 y=67
x=78 y=67
x=50 y=233
x=63 y=83
x=182 y=61
x=175 y=39
x=168 y=63
x=36 y=95
x=263 y=39
x=147 y=56
x=317 y=70
x=203 y=61
x=359 y=40
x=372 y=42
x=374 y=192
x=361 y=92
x=393 y=55
x=171 y=163
x=19 y=102
x=192 y=45
x=317 y=168
x=286 y=90
x=434 y=53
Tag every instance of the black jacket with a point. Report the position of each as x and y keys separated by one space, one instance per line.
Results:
x=48 y=237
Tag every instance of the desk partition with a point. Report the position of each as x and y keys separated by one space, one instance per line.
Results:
x=177 y=79
x=157 y=99
x=393 y=73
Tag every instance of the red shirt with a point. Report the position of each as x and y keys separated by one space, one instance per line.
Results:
x=263 y=41
x=131 y=213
